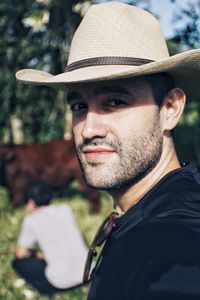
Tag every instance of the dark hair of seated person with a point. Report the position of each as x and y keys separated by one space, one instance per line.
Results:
x=40 y=192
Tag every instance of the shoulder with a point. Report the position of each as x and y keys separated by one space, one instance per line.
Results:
x=165 y=237
x=62 y=211
x=28 y=219
x=62 y=208
x=163 y=261
x=178 y=198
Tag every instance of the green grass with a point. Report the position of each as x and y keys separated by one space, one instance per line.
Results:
x=10 y=221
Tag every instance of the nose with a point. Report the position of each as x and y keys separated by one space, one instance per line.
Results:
x=94 y=126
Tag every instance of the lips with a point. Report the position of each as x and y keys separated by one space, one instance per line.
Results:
x=97 y=153
x=97 y=150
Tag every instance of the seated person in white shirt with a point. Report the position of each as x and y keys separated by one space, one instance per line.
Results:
x=60 y=263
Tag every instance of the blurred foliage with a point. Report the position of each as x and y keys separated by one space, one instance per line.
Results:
x=187 y=24
x=34 y=34
x=187 y=36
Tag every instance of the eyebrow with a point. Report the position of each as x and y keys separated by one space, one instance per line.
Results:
x=99 y=91
x=110 y=89
x=72 y=96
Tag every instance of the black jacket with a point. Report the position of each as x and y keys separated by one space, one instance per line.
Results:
x=153 y=252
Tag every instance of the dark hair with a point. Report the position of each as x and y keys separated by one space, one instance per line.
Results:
x=40 y=192
x=161 y=84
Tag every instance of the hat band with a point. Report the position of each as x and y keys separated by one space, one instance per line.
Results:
x=107 y=60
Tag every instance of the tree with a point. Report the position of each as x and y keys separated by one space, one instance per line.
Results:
x=187 y=36
x=34 y=34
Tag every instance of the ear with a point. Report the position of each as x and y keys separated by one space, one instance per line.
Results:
x=31 y=206
x=172 y=108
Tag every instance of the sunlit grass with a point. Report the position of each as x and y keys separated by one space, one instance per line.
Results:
x=10 y=221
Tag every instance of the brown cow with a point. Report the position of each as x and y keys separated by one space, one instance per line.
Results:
x=54 y=162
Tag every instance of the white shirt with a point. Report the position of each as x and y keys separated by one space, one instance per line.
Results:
x=55 y=230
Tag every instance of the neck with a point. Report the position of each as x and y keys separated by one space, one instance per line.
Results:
x=168 y=162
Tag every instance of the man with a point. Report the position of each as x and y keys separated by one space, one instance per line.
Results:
x=126 y=96
x=59 y=263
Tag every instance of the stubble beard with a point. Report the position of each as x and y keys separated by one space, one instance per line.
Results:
x=135 y=158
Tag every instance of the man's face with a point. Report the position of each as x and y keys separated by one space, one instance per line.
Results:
x=116 y=126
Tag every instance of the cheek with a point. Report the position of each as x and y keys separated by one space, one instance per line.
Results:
x=132 y=120
x=138 y=120
x=77 y=130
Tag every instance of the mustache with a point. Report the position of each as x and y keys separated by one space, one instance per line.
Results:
x=115 y=145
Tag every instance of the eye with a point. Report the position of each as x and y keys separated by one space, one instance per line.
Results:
x=76 y=107
x=116 y=102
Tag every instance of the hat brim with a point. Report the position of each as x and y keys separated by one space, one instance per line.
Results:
x=184 y=67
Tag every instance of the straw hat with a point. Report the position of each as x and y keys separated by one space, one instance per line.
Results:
x=117 y=40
